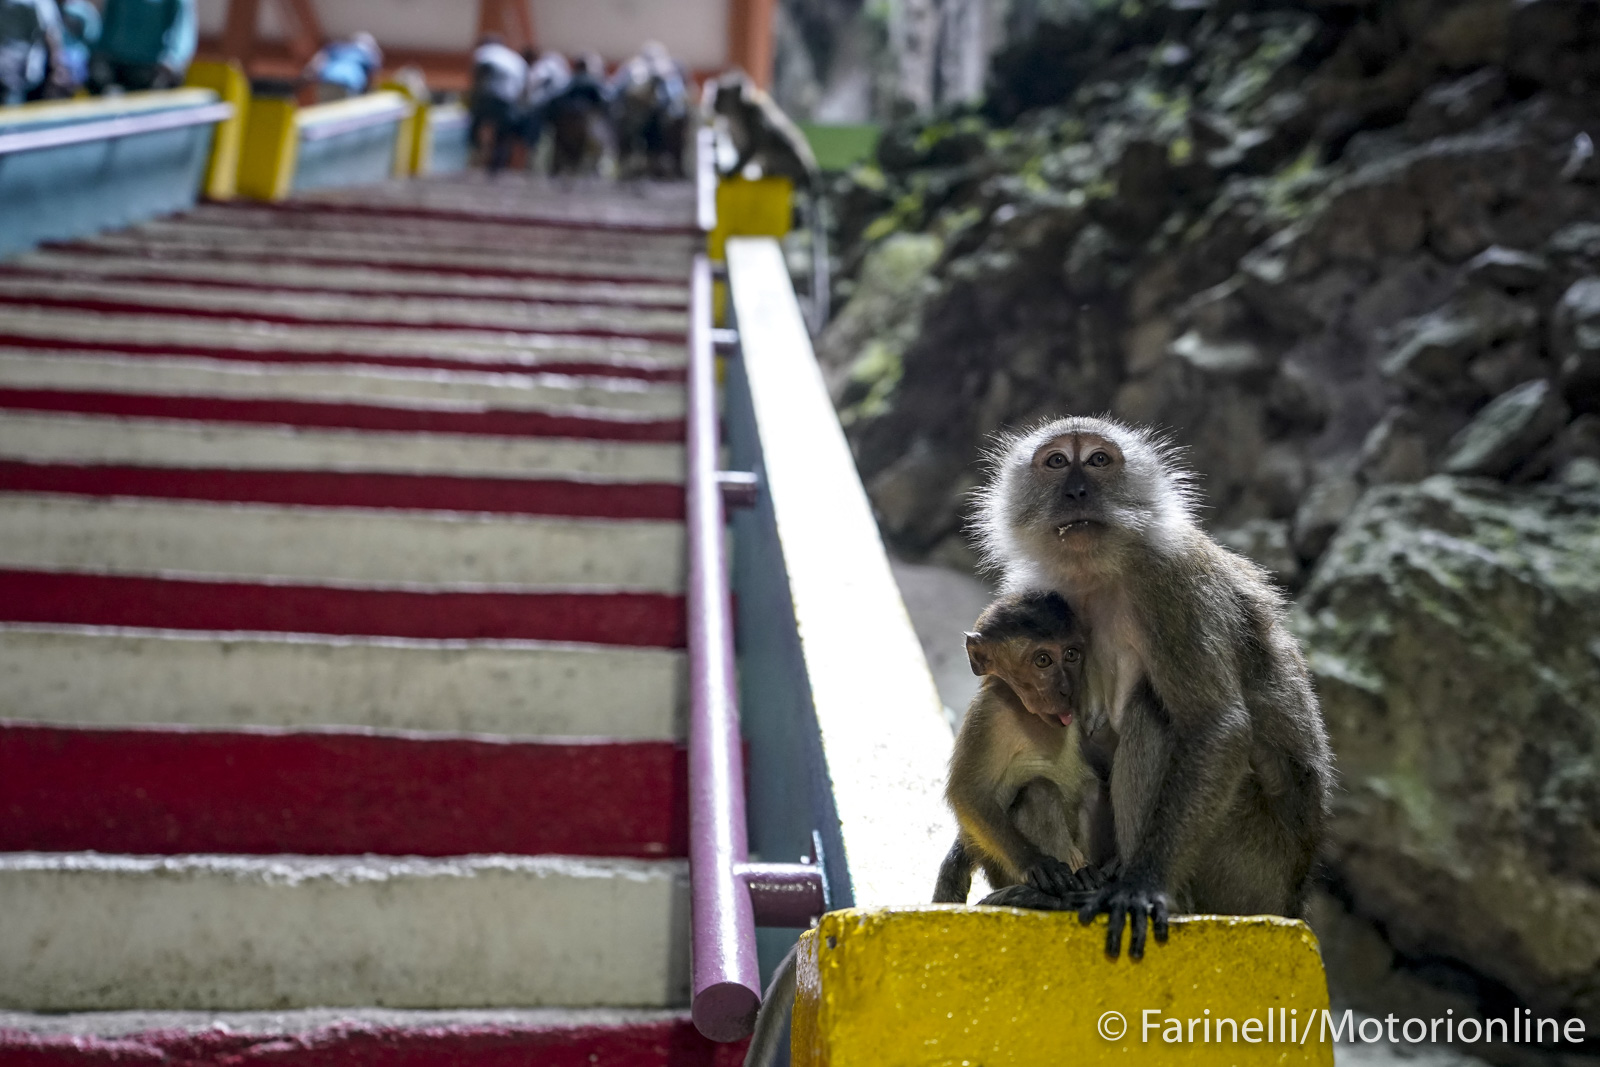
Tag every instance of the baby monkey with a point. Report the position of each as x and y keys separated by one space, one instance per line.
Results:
x=1019 y=775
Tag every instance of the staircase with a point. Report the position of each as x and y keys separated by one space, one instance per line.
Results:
x=342 y=628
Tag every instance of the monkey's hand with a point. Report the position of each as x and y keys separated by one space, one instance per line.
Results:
x=1050 y=875
x=1132 y=900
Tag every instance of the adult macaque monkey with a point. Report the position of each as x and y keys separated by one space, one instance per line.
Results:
x=1018 y=777
x=1220 y=780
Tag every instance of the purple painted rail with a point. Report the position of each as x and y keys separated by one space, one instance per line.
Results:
x=729 y=895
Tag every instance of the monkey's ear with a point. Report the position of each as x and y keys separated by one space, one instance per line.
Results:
x=978 y=654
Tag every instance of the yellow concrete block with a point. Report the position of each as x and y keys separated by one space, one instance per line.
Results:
x=228 y=81
x=760 y=208
x=946 y=986
x=271 y=143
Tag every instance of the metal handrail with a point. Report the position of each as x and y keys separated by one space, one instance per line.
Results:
x=112 y=129
x=729 y=895
x=321 y=131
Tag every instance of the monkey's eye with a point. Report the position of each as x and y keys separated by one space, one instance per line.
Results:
x=1071 y=655
x=1042 y=660
x=1099 y=459
x=1056 y=460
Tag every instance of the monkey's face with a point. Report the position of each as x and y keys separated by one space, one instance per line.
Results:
x=1047 y=676
x=1072 y=483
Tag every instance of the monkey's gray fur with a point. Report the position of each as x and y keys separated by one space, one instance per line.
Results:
x=1222 y=771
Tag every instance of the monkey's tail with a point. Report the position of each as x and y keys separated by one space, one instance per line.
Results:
x=772 y=1022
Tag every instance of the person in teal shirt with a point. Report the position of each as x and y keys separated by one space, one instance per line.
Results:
x=144 y=44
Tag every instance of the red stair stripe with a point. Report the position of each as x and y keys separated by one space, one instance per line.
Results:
x=344 y=416
x=173 y=791
x=666 y=1043
x=159 y=250
x=651 y=620
x=428 y=492
x=99 y=306
x=599 y=368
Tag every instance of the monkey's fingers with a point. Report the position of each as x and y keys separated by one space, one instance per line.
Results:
x=1158 y=918
x=1119 y=913
x=1138 y=921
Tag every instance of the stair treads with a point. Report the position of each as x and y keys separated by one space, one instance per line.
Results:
x=58 y=438
x=365 y=1038
x=379 y=249
x=478 y=311
x=315 y=313
x=650 y=620
x=555 y=394
x=87 y=931
x=341 y=281
x=260 y=792
x=89 y=676
x=614 y=220
x=413 y=418
x=467 y=347
x=310 y=488
x=247 y=349
x=232 y=540
x=414 y=261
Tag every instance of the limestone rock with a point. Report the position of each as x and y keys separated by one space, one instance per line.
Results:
x=1454 y=632
x=1503 y=436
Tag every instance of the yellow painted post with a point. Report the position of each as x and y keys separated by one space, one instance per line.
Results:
x=228 y=81
x=422 y=139
x=1004 y=987
x=413 y=130
x=271 y=141
x=763 y=207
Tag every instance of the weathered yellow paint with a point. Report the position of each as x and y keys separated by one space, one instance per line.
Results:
x=945 y=985
x=760 y=208
x=228 y=81
x=410 y=141
x=271 y=142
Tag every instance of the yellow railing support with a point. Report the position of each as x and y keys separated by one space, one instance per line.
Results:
x=410 y=139
x=228 y=81
x=271 y=141
x=1009 y=988
x=760 y=208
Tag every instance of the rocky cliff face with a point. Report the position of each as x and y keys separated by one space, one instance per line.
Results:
x=1350 y=255
x=1315 y=246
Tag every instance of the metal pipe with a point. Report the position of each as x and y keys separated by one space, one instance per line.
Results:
x=784 y=894
x=112 y=129
x=725 y=978
x=321 y=131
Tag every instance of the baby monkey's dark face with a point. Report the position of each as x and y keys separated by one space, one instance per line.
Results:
x=1033 y=643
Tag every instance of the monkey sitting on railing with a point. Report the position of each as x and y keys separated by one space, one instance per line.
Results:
x=1021 y=785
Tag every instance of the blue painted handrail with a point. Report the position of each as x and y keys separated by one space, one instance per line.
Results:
x=321 y=131
x=112 y=129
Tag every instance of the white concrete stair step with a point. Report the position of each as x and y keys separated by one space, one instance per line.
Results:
x=89 y=931
x=575 y=268
x=268 y=273
x=508 y=314
x=52 y=438
x=468 y=347
x=100 y=676
x=132 y=536
x=25 y=369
